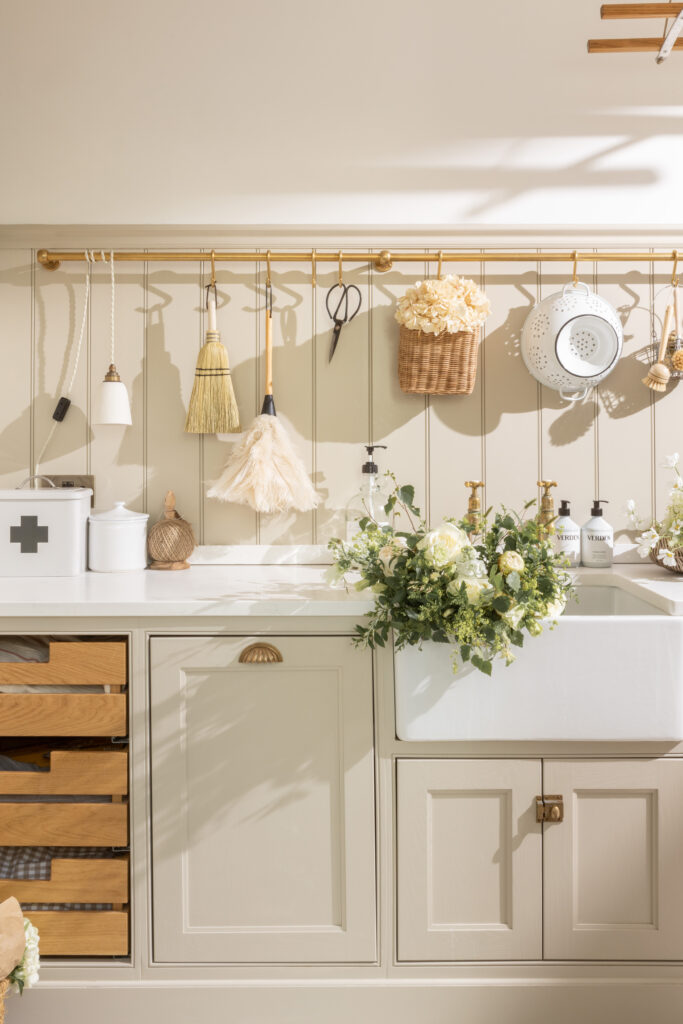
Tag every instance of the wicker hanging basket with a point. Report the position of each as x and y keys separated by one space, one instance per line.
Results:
x=677 y=553
x=437 y=364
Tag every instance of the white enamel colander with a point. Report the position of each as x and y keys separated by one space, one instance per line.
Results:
x=571 y=341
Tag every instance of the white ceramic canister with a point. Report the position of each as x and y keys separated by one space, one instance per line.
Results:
x=117 y=539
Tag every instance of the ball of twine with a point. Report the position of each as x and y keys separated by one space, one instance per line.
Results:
x=171 y=540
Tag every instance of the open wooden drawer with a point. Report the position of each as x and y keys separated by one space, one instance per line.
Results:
x=47 y=821
x=71 y=663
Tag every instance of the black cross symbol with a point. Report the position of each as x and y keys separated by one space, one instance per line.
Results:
x=29 y=535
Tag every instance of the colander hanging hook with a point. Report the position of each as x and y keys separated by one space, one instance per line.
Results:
x=575 y=276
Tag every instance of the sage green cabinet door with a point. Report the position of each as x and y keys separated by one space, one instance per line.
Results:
x=613 y=883
x=263 y=820
x=469 y=860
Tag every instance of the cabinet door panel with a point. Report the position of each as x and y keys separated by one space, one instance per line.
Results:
x=263 y=802
x=469 y=860
x=612 y=882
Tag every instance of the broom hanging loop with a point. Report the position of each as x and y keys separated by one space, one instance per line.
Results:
x=213 y=267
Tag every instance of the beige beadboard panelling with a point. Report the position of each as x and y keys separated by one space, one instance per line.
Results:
x=174 y=322
x=456 y=449
x=507 y=431
x=569 y=430
x=342 y=395
x=398 y=420
x=59 y=298
x=511 y=394
x=117 y=453
x=16 y=299
x=292 y=384
x=668 y=435
x=625 y=432
x=238 y=326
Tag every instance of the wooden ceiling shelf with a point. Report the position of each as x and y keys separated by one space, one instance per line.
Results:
x=662 y=46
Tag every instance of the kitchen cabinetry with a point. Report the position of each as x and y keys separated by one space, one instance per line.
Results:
x=479 y=880
x=263 y=813
x=613 y=886
x=469 y=860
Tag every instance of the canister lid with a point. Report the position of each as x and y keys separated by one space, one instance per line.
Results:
x=118 y=514
x=46 y=494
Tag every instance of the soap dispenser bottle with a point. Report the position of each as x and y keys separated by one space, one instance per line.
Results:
x=597 y=539
x=369 y=501
x=567 y=535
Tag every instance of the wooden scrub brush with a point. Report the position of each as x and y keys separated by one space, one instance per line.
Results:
x=171 y=541
x=659 y=374
x=213 y=406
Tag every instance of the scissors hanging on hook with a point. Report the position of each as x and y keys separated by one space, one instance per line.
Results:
x=344 y=311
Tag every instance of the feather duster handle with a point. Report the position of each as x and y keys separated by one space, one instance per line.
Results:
x=265 y=472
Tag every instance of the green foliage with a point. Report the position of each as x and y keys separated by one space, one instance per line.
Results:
x=479 y=592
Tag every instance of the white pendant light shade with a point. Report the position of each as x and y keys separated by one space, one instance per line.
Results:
x=112 y=405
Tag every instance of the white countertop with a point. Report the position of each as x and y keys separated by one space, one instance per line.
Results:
x=201 y=590
x=264 y=590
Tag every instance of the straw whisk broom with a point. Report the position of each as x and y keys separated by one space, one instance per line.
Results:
x=213 y=406
x=659 y=374
x=264 y=471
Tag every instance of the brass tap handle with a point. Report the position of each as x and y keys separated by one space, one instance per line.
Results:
x=474 y=503
x=547 y=511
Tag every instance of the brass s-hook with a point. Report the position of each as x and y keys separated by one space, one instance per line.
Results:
x=268 y=281
x=341 y=258
x=314 y=257
x=575 y=277
x=439 y=268
x=213 y=268
x=674 y=272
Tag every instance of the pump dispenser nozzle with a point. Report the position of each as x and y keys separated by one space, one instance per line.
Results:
x=371 y=466
x=597 y=508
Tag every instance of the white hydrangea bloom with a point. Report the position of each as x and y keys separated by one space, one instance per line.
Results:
x=449 y=304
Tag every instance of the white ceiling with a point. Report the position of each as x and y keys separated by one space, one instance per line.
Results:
x=314 y=111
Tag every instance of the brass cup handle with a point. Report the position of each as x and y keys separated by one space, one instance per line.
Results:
x=260 y=654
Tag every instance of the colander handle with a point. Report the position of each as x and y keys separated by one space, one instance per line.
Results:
x=574 y=396
x=574 y=287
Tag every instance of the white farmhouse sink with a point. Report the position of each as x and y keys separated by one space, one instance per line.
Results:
x=611 y=670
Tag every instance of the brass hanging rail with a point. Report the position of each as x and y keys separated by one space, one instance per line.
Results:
x=381 y=261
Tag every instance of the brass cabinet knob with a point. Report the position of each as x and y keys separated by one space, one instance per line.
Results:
x=260 y=654
x=555 y=813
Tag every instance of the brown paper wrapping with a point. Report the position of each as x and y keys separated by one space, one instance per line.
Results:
x=12 y=938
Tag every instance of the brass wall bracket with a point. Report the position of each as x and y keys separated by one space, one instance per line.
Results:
x=550 y=808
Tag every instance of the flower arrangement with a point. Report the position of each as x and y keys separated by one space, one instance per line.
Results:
x=662 y=539
x=478 y=591
x=449 y=304
x=25 y=974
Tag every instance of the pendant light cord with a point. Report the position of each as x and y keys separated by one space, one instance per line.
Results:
x=112 y=359
x=89 y=258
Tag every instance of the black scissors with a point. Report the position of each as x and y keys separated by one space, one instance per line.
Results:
x=341 y=314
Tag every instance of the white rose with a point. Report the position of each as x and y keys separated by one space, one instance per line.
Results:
x=442 y=546
x=510 y=561
x=555 y=608
x=475 y=589
x=514 y=616
x=390 y=552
